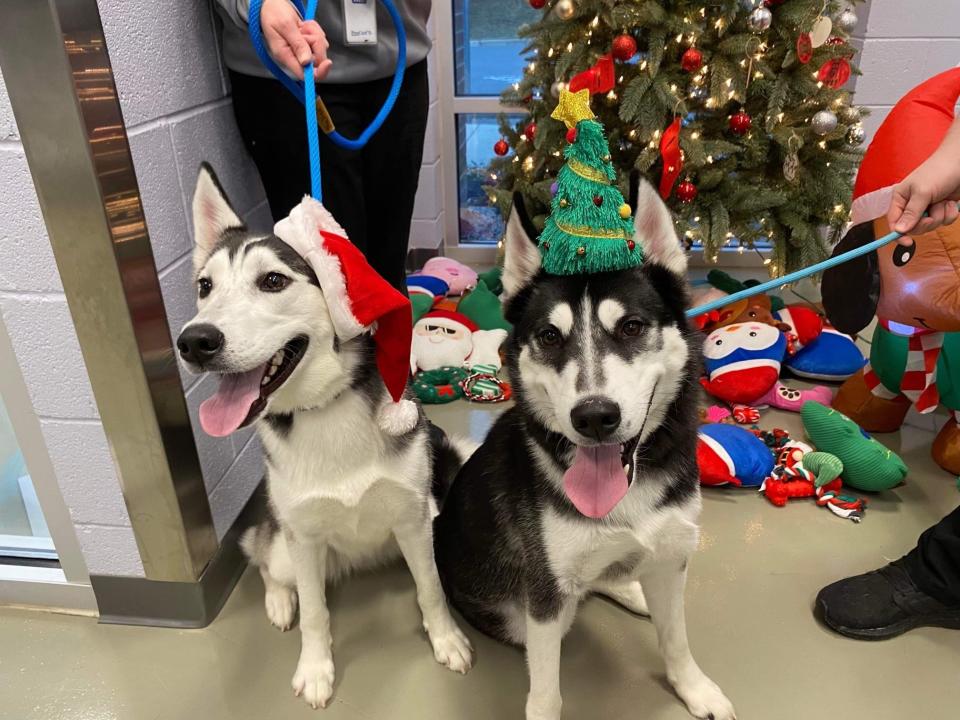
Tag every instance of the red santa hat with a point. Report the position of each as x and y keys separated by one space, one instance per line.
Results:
x=453 y=317
x=910 y=133
x=806 y=324
x=359 y=301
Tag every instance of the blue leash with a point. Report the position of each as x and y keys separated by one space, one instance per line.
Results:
x=306 y=91
x=794 y=276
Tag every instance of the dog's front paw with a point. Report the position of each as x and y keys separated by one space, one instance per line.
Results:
x=281 y=605
x=704 y=699
x=452 y=649
x=313 y=681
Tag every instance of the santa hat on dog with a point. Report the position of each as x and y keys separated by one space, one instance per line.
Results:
x=909 y=135
x=359 y=301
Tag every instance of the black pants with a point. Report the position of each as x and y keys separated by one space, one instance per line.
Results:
x=934 y=565
x=371 y=191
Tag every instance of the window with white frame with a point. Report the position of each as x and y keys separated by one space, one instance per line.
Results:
x=479 y=56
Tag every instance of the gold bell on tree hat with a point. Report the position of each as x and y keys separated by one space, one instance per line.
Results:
x=589 y=229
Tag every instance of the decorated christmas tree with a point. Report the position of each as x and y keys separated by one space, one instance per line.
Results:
x=589 y=228
x=735 y=109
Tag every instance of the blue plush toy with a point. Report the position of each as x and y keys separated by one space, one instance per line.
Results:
x=731 y=455
x=832 y=356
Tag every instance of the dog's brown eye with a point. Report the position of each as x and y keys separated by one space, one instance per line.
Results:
x=274 y=282
x=204 y=286
x=631 y=328
x=550 y=336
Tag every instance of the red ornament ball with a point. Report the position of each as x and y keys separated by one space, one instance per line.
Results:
x=624 y=47
x=740 y=123
x=501 y=147
x=598 y=200
x=686 y=191
x=631 y=244
x=530 y=131
x=537 y=4
x=692 y=60
x=571 y=135
x=772 y=3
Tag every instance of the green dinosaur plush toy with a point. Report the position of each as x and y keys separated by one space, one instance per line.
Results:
x=867 y=465
x=483 y=307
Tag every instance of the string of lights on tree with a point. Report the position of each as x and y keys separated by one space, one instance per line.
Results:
x=736 y=109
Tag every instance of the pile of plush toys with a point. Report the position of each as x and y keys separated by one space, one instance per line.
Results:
x=458 y=328
x=783 y=468
x=751 y=343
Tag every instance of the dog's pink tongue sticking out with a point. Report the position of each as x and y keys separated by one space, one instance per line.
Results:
x=226 y=410
x=596 y=481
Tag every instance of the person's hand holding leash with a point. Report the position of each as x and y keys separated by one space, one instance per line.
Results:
x=934 y=187
x=291 y=41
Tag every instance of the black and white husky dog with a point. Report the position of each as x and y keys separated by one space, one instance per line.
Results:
x=343 y=494
x=589 y=483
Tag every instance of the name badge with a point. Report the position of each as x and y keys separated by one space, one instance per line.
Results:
x=360 y=22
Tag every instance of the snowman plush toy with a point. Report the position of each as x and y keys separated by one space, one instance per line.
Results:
x=743 y=363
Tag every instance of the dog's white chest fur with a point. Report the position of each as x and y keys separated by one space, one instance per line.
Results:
x=333 y=475
x=583 y=552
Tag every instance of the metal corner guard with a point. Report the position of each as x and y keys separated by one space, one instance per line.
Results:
x=59 y=78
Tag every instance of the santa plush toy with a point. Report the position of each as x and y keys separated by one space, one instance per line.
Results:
x=444 y=338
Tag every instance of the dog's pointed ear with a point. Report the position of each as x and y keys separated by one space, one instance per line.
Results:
x=653 y=227
x=851 y=291
x=212 y=215
x=521 y=261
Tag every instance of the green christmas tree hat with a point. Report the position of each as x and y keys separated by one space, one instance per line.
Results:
x=589 y=229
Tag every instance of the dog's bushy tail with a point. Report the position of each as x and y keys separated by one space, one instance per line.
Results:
x=448 y=454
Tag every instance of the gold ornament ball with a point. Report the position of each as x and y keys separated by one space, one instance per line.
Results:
x=850 y=114
x=581 y=251
x=824 y=122
x=564 y=9
x=557 y=87
x=624 y=211
x=563 y=202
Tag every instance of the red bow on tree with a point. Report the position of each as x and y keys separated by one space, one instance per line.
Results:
x=672 y=162
x=597 y=79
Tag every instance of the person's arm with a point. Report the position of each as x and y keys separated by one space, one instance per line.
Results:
x=934 y=186
x=291 y=41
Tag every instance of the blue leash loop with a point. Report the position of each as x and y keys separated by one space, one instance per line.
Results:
x=306 y=91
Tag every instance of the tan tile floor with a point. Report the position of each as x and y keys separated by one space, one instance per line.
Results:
x=749 y=600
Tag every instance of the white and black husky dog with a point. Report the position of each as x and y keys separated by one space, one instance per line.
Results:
x=589 y=483
x=343 y=494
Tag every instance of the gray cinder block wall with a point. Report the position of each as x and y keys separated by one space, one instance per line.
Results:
x=903 y=44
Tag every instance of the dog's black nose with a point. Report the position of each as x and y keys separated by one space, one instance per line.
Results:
x=200 y=343
x=596 y=418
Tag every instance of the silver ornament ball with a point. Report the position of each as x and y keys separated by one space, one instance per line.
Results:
x=856 y=135
x=564 y=9
x=824 y=122
x=698 y=92
x=557 y=87
x=760 y=19
x=850 y=114
x=846 y=21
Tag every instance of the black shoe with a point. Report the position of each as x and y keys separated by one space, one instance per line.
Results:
x=882 y=604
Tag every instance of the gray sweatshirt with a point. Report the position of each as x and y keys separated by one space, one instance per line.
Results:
x=351 y=63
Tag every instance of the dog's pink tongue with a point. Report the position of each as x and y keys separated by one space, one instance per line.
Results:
x=225 y=411
x=596 y=481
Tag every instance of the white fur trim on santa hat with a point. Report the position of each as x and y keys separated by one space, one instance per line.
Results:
x=301 y=231
x=398 y=418
x=871 y=206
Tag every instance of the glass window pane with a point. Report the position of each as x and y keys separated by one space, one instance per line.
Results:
x=480 y=221
x=486 y=46
x=23 y=531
